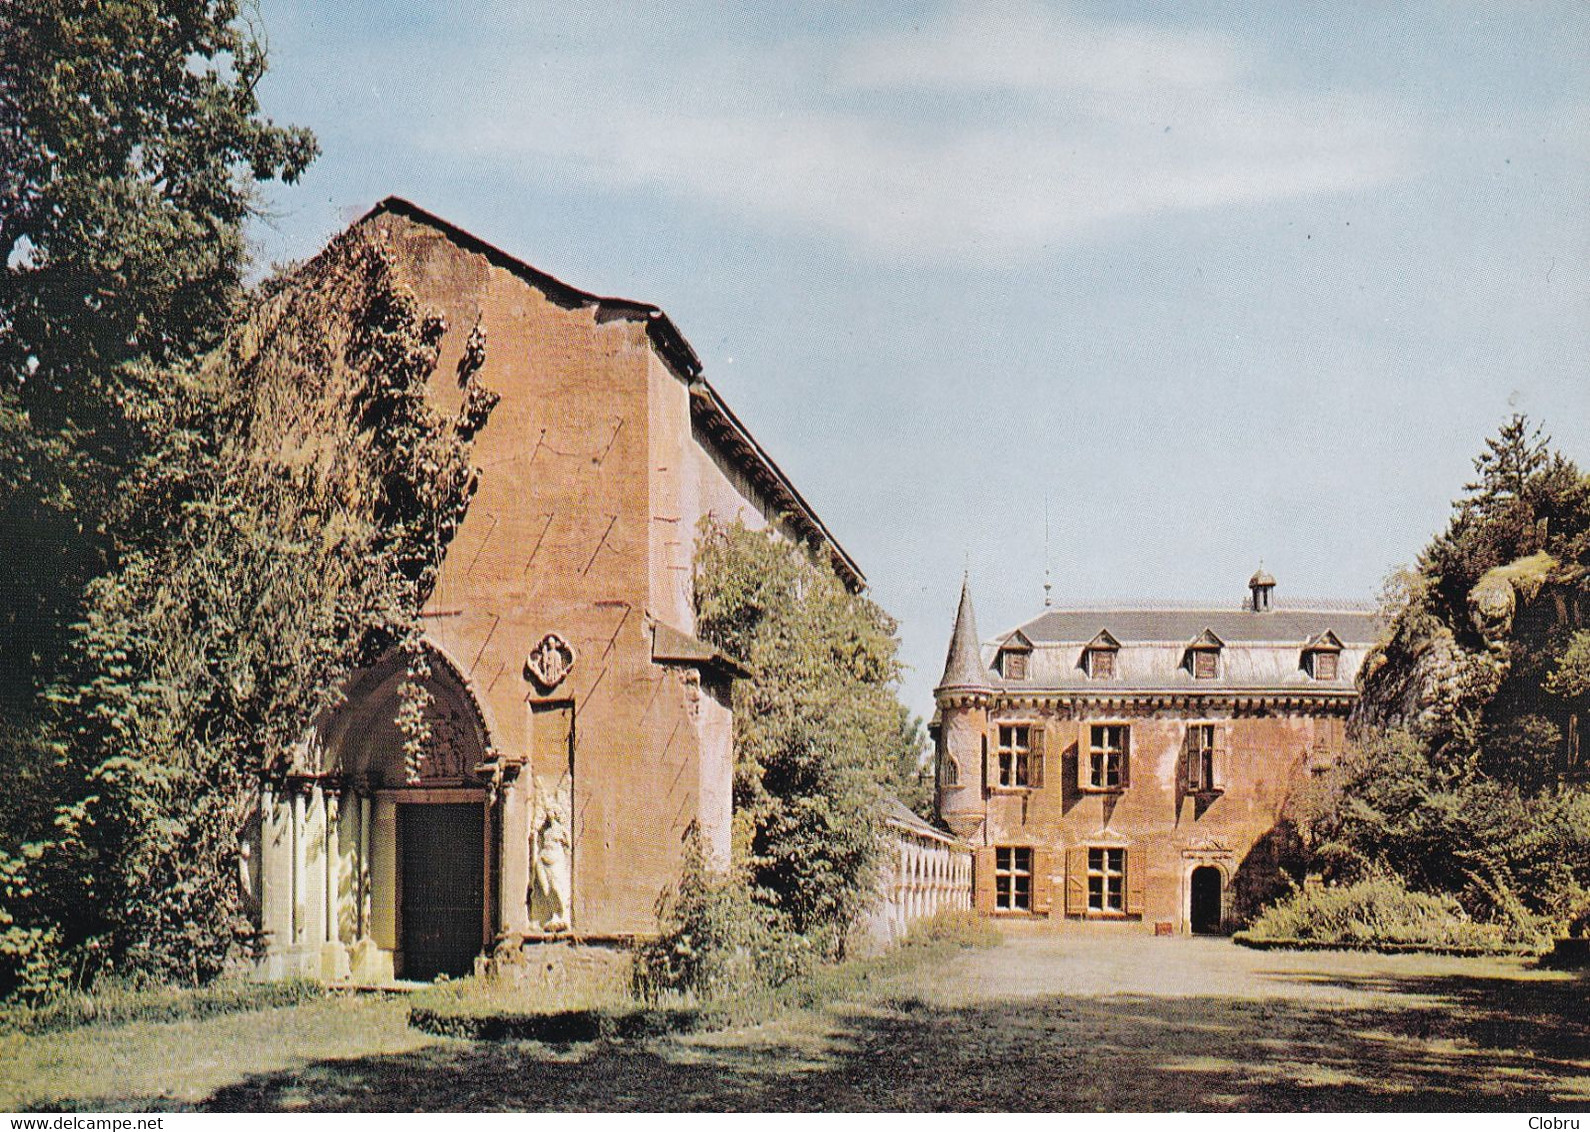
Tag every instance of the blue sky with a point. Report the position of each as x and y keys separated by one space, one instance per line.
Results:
x=1216 y=282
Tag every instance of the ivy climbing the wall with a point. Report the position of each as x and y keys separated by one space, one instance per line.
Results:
x=286 y=530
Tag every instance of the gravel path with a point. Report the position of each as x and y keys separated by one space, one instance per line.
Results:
x=1044 y=1022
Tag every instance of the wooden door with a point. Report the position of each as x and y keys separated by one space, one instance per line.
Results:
x=444 y=886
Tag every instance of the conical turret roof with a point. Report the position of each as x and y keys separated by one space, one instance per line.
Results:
x=963 y=667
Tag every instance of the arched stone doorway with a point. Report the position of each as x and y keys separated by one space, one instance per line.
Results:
x=370 y=871
x=1205 y=916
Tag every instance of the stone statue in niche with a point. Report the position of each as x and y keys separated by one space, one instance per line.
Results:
x=553 y=861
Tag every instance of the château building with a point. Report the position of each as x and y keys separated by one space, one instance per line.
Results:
x=1141 y=765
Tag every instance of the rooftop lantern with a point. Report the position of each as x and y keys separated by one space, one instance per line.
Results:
x=1261 y=585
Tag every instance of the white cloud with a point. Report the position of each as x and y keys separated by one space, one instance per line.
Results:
x=981 y=138
x=1018 y=45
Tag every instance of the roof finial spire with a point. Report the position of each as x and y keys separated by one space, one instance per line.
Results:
x=1048 y=586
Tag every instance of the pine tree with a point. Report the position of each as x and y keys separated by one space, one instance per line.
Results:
x=1511 y=461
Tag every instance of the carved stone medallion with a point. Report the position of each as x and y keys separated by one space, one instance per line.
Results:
x=549 y=662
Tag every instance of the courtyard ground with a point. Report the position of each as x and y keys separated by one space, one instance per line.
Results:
x=1042 y=1022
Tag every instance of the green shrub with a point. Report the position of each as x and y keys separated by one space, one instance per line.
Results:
x=1377 y=910
x=954 y=927
x=716 y=941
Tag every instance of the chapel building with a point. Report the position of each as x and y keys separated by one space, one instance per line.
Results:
x=1141 y=766
x=579 y=728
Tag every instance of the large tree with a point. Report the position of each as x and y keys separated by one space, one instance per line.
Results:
x=131 y=144
x=819 y=732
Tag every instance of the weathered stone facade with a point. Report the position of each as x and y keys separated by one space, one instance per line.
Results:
x=1140 y=766
x=579 y=726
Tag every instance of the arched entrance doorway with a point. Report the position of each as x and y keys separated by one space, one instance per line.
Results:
x=375 y=866
x=1205 y=917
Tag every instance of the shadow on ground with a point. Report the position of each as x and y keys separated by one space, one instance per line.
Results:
x=1433 y=1043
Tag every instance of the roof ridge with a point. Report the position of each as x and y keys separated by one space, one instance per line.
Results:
x=1172 y=605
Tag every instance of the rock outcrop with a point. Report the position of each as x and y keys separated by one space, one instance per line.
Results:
x=1425 y=678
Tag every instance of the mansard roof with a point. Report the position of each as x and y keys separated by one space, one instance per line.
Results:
x=1262 y=650
x=707 y=406
x=1352 y=622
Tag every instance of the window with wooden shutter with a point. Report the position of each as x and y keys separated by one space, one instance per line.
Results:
x=1204 y=758
x=1015 y=754
x=1206 y=663
x=1076 y=880
x=1042 y=880
x=1037 y=755
x=1106 y=879
x=1014 y=666
x=1325 y=666
x=1107 y=756
x=1136 y=882
x=1013 y=878
x=983 y=880
x=1101 y=664
x=1222 y=759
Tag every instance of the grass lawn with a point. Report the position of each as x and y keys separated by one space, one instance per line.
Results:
x=1042 y=1022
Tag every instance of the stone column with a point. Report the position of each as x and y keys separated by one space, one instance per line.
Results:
x=383 y=874
x=362 y=877
x=276 y=877
x=516 y=799
x=299 y=868
x=333 y=871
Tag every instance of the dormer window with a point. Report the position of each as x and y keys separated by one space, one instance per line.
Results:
x=1014 y=656
x=1098 y=657
x=1322 y=656
x=1203 y=656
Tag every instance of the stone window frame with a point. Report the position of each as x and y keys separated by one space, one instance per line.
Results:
x=1106 y=880
x=1205 y=746
x=1018 y=754
x=1095 y=778
x=1013 y=864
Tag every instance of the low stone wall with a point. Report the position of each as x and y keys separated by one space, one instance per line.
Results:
x=924 y=871
x=559 y=967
